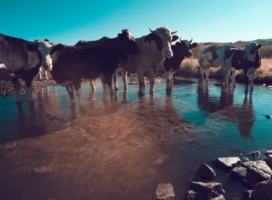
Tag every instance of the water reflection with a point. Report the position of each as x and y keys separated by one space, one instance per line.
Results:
x=223 y=108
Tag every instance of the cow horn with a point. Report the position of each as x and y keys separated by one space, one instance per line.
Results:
x=151 y=30
x=180 y=39
x=191 y=40
x=173 y=32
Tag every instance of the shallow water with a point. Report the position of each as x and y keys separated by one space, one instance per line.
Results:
x=221 y=119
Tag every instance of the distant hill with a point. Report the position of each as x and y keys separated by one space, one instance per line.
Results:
x=265 y=42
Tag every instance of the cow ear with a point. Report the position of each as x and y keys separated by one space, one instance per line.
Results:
x=31 y=47
x=193 y=45
x=174 y=38
x=259 y=46
x=56 y=48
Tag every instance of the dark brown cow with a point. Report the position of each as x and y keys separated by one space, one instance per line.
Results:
x=22 y=59
x=71 y=64
x=115 y=43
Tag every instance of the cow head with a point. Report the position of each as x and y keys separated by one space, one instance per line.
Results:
x=126 y=43
x=44 y=48
x=163 y=38
x=184 y=47
x=251 y=51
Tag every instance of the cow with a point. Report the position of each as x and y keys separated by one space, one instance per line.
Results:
x=154 y=48
x=180 y=50
x=71 y=64
x=22 y=59
x=211 y=56
x=43 y=71
x=107 y=42
x=248 y=60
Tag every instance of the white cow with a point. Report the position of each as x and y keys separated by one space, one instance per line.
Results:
x=211 y=56
x=154 y=48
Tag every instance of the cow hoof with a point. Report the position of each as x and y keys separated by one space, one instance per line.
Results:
x=141 y=94
x=116 y=89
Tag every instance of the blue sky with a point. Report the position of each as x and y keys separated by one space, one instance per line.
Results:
x=66 y=21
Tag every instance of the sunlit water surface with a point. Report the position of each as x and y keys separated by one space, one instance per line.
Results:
x=221 y=119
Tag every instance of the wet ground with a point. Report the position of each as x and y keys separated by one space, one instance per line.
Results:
x=121 y=149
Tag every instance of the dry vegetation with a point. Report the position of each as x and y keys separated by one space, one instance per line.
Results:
x=189 y=67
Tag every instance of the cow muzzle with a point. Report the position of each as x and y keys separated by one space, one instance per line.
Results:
x=168 y=54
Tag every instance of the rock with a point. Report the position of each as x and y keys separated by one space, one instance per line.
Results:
x=164 y=191
x=259 y=168
x=268 y=161
x=268 y=116
x=268 y=152
x=206 y=172
x=11 y=145
x=255 y=154
x=238 y=173
x=207 y=191
x=245 y=176
x=262 y=191
x=247 y=194
x=226 y=163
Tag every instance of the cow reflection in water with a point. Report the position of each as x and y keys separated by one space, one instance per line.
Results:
x=223 y=108
x=29 y=124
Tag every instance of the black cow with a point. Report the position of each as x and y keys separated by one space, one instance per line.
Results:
x=248 y=60
x=180 y=50
x=22 y=59
x=71 y=64
x=115 y=43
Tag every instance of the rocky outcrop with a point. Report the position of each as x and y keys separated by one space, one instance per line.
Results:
x=207 y=191
x=262 y=191
x=226 y=163
x=206 y=172
x=259 y=168
x=164 y=191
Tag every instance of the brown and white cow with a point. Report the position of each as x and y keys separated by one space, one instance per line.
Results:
x=71 y=64
x=180 y=50
x=248 y=60
x=154 y=48
x=22 y=59
x=211 y=56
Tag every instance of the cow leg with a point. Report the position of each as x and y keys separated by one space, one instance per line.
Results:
x=70 y=91
x=207 y=74
x=169 y=78
x=124 y=78
x=18 y=87
x=29 y=88
x=250 y=76
x=233 y=74
x=46 y=76
x=151 y=89
x=141 y=84
x=77 y=87
x=92 y=85
x=115 y=80
x=106 y=80
x=40 y=73
x=202 y=71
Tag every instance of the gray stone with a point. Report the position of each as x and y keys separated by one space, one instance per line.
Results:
x=268 y=152
x=245 y=176
x=207 y=191
x=238 y=173
x=206 y=172
x=226 y=163
x=164 y=191
x=268 y=161
x=259 y=168
x=262 y=191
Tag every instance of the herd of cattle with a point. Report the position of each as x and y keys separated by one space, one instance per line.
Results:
x=92 y=59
